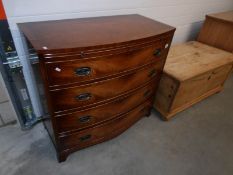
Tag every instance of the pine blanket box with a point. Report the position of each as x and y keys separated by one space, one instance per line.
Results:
x=193 y=71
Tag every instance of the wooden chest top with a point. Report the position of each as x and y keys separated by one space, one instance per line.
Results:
x=188 y=60
x=217 y=31
x=224 y=16
x=90 y=33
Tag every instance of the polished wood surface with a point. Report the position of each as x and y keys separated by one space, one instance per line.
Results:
x=65 y=72
x=166 y=92
x=217 y=31
x=102 y=91
x=89 y=33
x=194 y=58
x=223 y=16
x=79 y=120
x=193 y=71
x=97 y=134
x=202 y=84
x=100 y=75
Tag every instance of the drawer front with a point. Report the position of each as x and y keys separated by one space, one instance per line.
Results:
x=86 y=118
x=80 y=71
x=106 y=130
x=95 y=93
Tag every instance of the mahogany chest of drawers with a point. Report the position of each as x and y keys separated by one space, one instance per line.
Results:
x=99 y=75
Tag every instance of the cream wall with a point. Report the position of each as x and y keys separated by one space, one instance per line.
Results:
x=185 y=15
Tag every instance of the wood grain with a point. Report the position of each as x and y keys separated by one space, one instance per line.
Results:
x=71 y=122
x=223 y=16
x=102 y=91
x=193 y=58
x=64 y=72
x=99 y=133
x=169 y=115
x=99 y=74
x=217 y=31
x=199 y=85
x=166 y=92
x=193 y=71
x=89 y=33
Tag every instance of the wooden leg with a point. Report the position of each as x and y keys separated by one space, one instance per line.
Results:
x=220 y=90
x=61 y=157
x=148 y=113
x=165 y=118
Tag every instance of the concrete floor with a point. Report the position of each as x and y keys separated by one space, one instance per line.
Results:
x=198 y=142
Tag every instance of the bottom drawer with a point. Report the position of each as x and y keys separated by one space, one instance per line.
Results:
x=104 y=131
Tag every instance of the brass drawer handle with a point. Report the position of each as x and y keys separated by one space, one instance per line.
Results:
x=152 y=73
x=84 y=119
x=83 y=71
x=85 y=138
x=157 y=52
x=83 y=97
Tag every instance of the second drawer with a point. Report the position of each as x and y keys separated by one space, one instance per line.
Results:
x=82 y=119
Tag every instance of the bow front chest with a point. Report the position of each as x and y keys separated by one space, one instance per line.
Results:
x=99 y=75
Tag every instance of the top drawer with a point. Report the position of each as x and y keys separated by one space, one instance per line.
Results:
x=94 y=68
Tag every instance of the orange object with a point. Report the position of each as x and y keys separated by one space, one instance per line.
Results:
x=2 y=11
